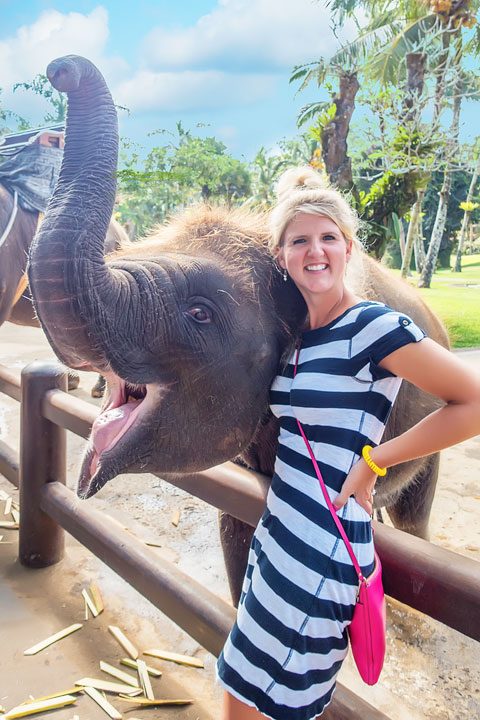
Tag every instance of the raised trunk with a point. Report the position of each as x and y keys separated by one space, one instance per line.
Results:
x=69 y=280
x=466 y=219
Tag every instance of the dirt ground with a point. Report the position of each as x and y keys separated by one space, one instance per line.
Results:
x=431 y=672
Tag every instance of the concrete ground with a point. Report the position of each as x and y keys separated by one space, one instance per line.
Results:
x=431 y=673
x=35 y=604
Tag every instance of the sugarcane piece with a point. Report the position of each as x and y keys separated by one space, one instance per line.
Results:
x=120 y=637
x=9 y=525
x=133 y=664
x=176 y=518
x=103 y=703
x=32 y=708
x=89 y=603
x=144 y=678
x=70 y=691
x=52 y=639
x=96 y=597
x=155 y=702
x=15 y=515
x=8 y=506
x=119 y=674
x=106 y=685
x=175 y=657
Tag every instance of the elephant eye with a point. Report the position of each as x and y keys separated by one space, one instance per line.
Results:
x=199 y=313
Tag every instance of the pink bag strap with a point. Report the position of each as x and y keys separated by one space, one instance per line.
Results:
x=325 y=492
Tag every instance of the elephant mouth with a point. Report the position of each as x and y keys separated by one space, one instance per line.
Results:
x=125 y=407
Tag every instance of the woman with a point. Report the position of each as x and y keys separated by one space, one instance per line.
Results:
x=289 y=641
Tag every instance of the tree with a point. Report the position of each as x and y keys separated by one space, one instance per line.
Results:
x=40 y=85
x=468 y=207
x=460 y=82
x=406 y=29
x=185 y=169
x=7 y=116
x=267 y=166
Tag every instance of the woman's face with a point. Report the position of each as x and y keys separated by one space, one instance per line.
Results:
x=314 y=253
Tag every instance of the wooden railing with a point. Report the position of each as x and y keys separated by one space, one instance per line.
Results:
x=437 y=582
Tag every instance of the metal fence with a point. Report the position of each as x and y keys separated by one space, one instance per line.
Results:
x=437 y=582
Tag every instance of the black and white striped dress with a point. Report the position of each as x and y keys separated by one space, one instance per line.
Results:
x=289 y=640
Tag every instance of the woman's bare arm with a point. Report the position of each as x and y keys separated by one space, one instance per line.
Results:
x=439 y=372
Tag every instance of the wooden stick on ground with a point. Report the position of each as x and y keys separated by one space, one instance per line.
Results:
x=52 y=639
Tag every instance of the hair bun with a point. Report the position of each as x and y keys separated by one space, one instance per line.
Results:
x=300 y=178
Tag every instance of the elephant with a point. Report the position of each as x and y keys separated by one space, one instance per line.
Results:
x=189 y=327
x=15 y=298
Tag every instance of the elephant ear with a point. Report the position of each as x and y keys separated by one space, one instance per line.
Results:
x=289 y=303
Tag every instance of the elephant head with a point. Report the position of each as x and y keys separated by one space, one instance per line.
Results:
x=187 y=326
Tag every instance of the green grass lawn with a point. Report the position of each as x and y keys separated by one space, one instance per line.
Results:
x=455 y=297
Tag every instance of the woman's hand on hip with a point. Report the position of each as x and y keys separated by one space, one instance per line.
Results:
x=360 y=482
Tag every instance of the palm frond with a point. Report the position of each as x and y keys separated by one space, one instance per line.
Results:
x=308 y=112
x=385 y=65
x=311 y=72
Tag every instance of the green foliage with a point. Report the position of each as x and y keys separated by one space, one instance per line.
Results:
x=454 y=298
x=460 y=184
x=7 y=116
x=40 y=85
x=266 y=166
x=185 y=169
x=322 y=120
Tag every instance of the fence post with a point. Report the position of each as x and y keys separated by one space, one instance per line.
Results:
x=42 y=460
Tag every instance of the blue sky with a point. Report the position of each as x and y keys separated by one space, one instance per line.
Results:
x=224 y=63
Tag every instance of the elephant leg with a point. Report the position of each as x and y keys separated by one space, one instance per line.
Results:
x=235 y=537
x=99 y=387
x=411 y=511
x=73 y=379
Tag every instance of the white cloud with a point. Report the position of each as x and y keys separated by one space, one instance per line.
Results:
x=247 y=35
x=28 y=52
x=189 y=89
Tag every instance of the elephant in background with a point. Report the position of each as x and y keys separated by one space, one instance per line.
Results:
x=188 y=326
x=16 y=303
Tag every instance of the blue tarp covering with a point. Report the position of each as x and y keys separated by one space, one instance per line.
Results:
x=33 y=173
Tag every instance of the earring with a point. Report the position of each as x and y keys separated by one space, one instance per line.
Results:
x=285 y=276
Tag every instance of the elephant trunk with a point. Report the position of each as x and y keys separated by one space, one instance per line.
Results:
x=70 y=282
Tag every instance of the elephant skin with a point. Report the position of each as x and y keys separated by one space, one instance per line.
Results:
x=13 y=263
x=189 y=326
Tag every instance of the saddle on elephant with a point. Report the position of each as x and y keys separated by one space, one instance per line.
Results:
x=29 y=172
x=30 y=163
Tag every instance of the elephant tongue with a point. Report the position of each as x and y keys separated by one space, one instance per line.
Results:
x=109 y=427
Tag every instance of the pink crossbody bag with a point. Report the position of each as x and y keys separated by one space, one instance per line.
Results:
x=368 y=627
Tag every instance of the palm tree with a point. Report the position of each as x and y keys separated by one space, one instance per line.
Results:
x=468 y=207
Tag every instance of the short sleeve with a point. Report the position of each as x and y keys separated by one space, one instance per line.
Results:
x=393 y=332
x=383 y=331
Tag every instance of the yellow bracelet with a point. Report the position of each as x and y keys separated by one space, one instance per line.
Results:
x=366 y=456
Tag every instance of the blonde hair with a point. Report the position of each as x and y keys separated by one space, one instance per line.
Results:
x=303 y=189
